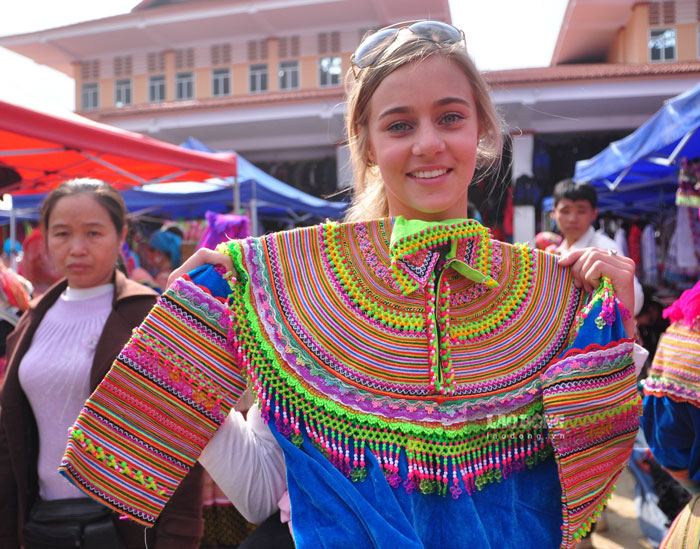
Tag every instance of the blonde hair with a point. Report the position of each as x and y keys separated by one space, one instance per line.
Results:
x=369 y=196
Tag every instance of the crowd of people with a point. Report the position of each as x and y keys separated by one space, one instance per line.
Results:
x=416 y=382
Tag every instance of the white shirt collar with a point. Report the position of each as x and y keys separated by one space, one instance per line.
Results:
x=584 y=241
x=79 y=294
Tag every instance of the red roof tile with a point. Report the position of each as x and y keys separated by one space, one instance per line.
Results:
x=563 y=73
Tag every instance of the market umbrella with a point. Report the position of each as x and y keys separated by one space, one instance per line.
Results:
x=38 y=151
x=650 y=155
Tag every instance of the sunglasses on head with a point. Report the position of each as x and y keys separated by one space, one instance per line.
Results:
x=373 y=46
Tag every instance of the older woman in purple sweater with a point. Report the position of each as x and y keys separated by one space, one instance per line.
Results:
x=61 y=349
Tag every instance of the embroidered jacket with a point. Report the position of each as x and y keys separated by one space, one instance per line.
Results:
x=416 y=376
x=672 y=403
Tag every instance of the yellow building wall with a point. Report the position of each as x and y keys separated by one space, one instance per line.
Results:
x=202 y=83
x=616 y=52
x=637 y=36
x=273 y=79
x=139 y=89
x=687 y=40
x=272 y=76
x=106 y=93
x=308 y=66
x=239 y=75
x=78 y=85
x=632 y=42
x=345 y=65
x=170 y=75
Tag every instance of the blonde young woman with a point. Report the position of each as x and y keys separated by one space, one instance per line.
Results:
x=420 y=384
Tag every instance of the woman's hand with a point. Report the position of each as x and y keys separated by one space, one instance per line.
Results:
x=203 y=256
x=588 y=265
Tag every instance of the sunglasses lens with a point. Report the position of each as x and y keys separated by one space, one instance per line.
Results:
x=366 y=53
x=375 y=44
x=439 y=32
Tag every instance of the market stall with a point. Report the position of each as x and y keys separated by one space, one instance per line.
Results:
x=638 y=171
x=263 y=194
x=649 y=180
x=39 y=150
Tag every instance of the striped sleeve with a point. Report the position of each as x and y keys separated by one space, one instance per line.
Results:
x=592 y=412
x=171 y=387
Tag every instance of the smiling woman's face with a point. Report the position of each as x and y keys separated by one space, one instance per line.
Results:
x=82 y=241
x=423 y=135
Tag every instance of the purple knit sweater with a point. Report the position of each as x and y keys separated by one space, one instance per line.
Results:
x=55 y=375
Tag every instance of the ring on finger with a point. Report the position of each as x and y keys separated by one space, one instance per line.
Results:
x=612 y=252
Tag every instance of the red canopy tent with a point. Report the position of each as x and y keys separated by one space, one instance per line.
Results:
x=38 y=151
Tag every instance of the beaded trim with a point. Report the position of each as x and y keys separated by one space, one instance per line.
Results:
x=609 y=303
x=413 y=257
x=476 y=454
x=298 y=339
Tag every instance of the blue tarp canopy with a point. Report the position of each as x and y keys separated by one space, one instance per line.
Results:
x=181 y=199
x=271 y=195
x=191 y=200
x=651 y=151
x=641 y=170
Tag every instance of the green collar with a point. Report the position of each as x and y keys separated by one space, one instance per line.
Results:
x=416 y=245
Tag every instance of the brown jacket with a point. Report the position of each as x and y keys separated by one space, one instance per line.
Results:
x=179 y=526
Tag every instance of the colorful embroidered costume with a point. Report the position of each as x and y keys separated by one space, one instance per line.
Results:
x=672 y=411
x=417 y=377
x=672 y=402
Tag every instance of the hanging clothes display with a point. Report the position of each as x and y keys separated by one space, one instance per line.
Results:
x=620 y=239
x=222 y=227
x=634 y=246
x=682 y=265
x=650 y=262
x=689 y=183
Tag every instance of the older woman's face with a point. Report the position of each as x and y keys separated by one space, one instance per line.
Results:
x=82 y=241
x=423 y=134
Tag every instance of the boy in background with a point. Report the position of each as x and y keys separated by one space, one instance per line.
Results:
x=575 y=210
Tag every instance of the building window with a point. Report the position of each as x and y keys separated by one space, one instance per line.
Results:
x=90 y=70
x=184 y=86
x=122 y=92
x=122 y=66
x=288 y=46
x=663 y=12
x=258 y=78
x=662 y=44
x=156 y=88
x=184 y=59
x=155 y=61
x=90 y=96
x=289 y=75
x=220 y=54
x=329 y=71
x=220 y=82
x=328 y=42
x=257 y=50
